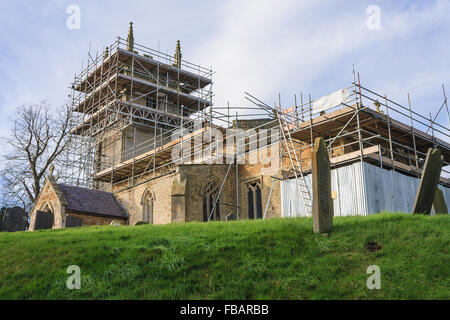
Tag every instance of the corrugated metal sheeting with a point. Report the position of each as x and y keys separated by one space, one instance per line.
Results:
x=393 y=191
x=383 y=190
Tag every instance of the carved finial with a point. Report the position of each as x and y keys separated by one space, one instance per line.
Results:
x=130 y=39
x=377 y=105
x=106 y=53
x=178 y=55
x=51 y=169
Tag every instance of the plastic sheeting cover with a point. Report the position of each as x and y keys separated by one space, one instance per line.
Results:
x=332 y=100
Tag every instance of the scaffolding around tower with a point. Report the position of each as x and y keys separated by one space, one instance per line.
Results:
x=131 y=88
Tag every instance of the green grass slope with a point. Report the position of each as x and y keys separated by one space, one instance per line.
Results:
x=273 y=259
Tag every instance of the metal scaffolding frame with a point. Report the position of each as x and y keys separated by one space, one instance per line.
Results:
x=386 y=146
x=133 y=88
x=125 y=89
x=365 y=109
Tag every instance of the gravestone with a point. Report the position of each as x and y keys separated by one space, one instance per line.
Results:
x=73 y=222
x=431 y=173
x=1 y=221
x=322 y=204
x=439 y=205
x=44 y=220
x=14 y=220
x=116 y=223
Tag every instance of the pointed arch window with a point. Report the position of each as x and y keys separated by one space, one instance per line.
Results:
x=46 y=208
x=210 y=192
x=254 y=198
x=148 y=204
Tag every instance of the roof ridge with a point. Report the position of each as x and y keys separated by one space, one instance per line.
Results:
x=88 y=189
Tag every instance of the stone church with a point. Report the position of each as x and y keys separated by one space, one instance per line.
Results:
x=130 y=102
x=135 y=108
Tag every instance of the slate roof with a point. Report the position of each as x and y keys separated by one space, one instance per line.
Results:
x=91 y=201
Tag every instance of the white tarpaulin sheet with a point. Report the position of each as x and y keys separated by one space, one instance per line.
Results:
x=331 y=100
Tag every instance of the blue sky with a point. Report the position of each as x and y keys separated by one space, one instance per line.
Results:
x=264 y=47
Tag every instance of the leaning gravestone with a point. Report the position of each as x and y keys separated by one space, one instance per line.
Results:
x=14 y=220
x=44 y=220
x=73 y=222
x=431 y=173
x=439 y=205
x=322 y=204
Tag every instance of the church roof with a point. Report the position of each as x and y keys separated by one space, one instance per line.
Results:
x=96 y=202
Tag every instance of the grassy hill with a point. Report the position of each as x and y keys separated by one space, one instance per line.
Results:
x=273 y=259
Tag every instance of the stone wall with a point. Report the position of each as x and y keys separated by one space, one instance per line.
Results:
x=141 y=139
x=87 y=219
x=179 y=195
x=110 y=149
x=263 y=174
x=196 y=177
x=161 y=189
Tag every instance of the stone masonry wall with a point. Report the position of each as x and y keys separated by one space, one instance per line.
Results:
x=161 y=188
x=92 y=220
x=197 y=176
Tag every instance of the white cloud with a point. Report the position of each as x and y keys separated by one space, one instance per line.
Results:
x=291 y=47
x=263 y=47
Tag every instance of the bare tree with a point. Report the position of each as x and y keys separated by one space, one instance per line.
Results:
x=37 y=139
